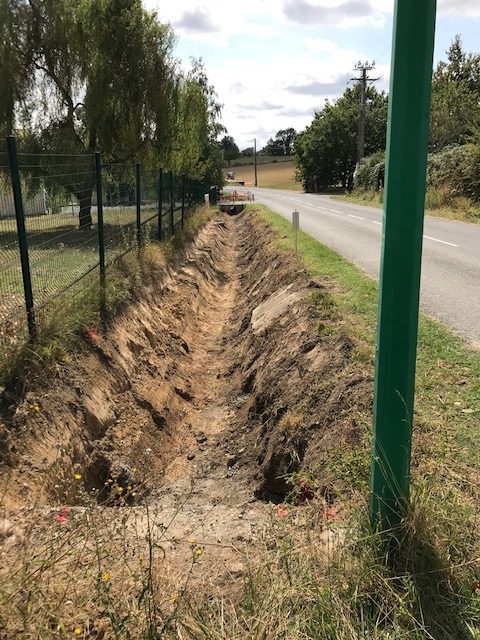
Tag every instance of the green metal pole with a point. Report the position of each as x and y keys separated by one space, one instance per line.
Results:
x=407 y=141
x=183 y=200
x=160 y=204
x=138 y=199
x=22 y=234
x=172 y=203
x=101 y=230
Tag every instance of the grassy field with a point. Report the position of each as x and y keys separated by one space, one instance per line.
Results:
x=276 y=175
x=260 y=160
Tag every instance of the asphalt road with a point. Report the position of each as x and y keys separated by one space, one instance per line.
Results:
x=450 y=285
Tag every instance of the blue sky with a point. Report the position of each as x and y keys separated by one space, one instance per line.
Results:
x=273 y=62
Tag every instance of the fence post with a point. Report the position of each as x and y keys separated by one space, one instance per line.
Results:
x=138 y=195
x=183 y=199
x=101 y=230
x=22 y=234
x=172 y=204
x=160 y=204
x=406 y=161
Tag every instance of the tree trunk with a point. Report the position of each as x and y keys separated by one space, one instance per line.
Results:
x=85 y=215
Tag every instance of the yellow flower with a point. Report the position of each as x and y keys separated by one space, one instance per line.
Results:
x=106 y=577
x=198 y=552
x=192 y=541
x=78 y=476
x=77 y=631
x=37 y=408
x=129 y=488
x=120 y=489
x=173 y=599
x=134 y=469
x=110 y=480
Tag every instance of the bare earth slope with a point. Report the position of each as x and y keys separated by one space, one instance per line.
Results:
x=178 y=426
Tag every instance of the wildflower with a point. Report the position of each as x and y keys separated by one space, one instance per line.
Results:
x=192 y=541
x=78 y=476
x=330 y=515
x=77 y=631
x=134 y=469
x=92 y=334
x=62 y=516
x=129 y=488
x=1 y=425
x=110 y=481
x=36 y=407
x=106 y=577
x=281 y=511
x=173 y=599
x=120 y=489
x=198 y=552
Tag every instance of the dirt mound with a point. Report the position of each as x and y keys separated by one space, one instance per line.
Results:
x=204 y=397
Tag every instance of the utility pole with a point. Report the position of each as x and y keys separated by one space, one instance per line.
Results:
x=255 y=154
x=363 y=68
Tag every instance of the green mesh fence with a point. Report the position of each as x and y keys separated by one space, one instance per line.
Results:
x=60 y=214
x=13 y=321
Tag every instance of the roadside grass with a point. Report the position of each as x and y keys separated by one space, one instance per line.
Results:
x=438 y=204
x=64 y=319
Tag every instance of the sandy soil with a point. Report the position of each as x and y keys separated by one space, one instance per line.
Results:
x=189 y=412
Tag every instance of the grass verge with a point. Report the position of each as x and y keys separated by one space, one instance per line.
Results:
x=437 y=204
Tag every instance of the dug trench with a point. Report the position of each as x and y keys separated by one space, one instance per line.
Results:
x=194 y=410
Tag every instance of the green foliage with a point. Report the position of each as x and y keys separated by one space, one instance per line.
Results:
x=455 y=110
x=282 y=144
x=326 y=151
x=457 y=169
x=99 y=75
x=371 y=172
x=230 y=149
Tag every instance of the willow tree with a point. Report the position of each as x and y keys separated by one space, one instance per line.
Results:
x=86 y=75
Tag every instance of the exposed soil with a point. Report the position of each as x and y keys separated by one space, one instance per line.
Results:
x=199 y=402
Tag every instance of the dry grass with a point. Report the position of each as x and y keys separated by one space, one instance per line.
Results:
x=279 y=175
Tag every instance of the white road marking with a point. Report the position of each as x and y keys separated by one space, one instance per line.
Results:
x=336 y=211
x=442 y=241
x=350 y=215
x=375 y=222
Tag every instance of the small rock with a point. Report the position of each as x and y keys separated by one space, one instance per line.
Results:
x=236 y=570
x=190 y=456
x=201 y=437
x=231 y=460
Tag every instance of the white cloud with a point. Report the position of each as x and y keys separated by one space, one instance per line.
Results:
x=344 y=14
x=197 y=21
x=319 y=45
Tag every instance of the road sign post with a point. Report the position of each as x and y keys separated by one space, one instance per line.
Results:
x=296 y=227
x=407 y=141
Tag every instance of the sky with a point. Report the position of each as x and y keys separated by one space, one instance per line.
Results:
x=274 y=62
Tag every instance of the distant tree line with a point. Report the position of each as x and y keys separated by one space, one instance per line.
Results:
x=79 y=76
x=326 y=152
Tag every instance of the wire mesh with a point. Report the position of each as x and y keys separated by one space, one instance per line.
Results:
x=60 y=209
x=13 y=324
x=61 y=223
x=119 y=209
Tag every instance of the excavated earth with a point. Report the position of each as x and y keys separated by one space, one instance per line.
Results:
x=182 y=422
